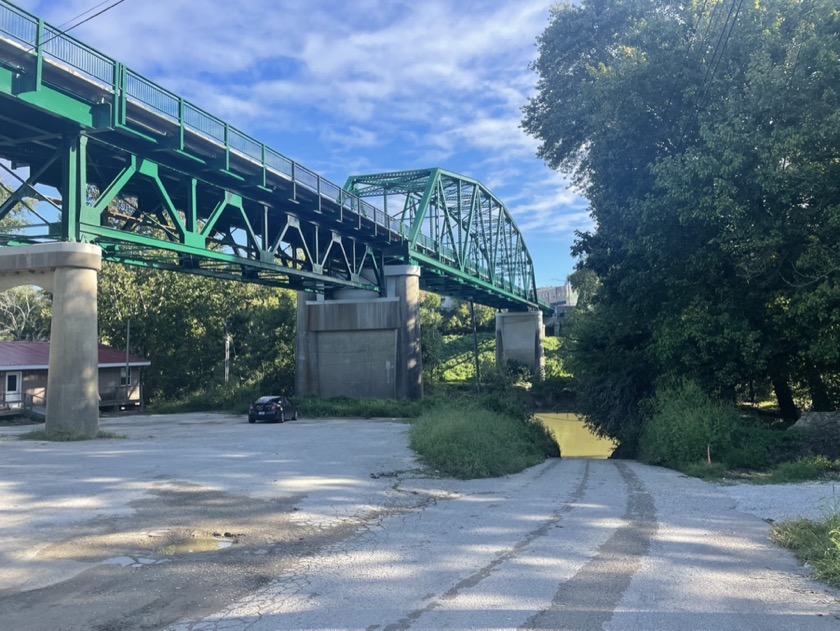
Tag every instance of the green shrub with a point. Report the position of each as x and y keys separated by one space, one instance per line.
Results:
x=553 y=352
x=458 y=357
x=757 y=447
x=472 y=441
x=684 y=423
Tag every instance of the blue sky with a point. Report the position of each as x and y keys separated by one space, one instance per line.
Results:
x=360 y=86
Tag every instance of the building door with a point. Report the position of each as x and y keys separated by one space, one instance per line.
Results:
x=14 y=389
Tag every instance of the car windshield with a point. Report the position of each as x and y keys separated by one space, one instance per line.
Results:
x=265 y=399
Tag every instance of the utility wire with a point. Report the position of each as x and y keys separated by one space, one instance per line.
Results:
x=712 y=67
x=89 y=18
x=691 y=40
x=83 y=13
x=734 y=20
x=60 y=33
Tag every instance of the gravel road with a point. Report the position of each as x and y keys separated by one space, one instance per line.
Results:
x=334 y=525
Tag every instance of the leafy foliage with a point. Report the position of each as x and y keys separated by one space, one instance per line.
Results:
x=803 y=470
x=312 y=407
x=686 y=425
x=706 y=141
x=180 y=322
x=25 y=314
x=62 y=435
x=683 y=424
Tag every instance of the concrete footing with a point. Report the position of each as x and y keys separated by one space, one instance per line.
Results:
x=519 y=337
x=69 y=271
x=363 y=348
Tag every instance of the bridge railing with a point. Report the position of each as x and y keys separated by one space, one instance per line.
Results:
x=33 y=38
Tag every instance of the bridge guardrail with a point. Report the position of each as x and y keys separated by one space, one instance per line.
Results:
x=93 y=77
x=33 y=36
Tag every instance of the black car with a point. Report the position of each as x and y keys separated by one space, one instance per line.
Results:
x=274 y=408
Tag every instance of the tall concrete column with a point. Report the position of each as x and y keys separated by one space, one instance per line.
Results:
x=73 y=378
x=69 y=271
x=362 y=345
x=519 y=336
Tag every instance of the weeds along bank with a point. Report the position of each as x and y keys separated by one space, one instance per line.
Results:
x=479 y=437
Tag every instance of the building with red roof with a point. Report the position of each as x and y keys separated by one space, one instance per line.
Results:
x=24 y=367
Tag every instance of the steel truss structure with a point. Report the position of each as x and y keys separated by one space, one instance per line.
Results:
x=459 y=232
x=156 y=181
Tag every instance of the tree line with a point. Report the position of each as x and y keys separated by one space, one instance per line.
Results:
x=706 y=137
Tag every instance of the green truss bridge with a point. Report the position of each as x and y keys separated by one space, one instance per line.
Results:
x=155 y=180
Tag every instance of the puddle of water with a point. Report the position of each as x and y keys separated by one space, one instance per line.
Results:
x=194 y=545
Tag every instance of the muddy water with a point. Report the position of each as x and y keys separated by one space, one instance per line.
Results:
x=574 y=438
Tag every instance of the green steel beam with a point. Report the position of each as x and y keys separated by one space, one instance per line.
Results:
x=177 y=186
x=458 y=230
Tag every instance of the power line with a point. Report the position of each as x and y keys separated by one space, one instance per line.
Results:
x=691 y=40
x=712 y=66
x=89 y=18
x=734 y=20
x=73 y=19
x=60 y=33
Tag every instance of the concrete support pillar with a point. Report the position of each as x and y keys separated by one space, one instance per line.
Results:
x=69 y=271
x=519 y=336
x=73 y=378
x=364 y=346
x=403 y=282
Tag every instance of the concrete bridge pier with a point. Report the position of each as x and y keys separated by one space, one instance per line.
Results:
x=519 y=337
x=69 y=271
x=362 y=345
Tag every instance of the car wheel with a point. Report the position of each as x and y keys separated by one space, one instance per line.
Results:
x=251 y=419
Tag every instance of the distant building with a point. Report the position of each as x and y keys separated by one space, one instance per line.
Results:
x=23 y=375
x=562 y=298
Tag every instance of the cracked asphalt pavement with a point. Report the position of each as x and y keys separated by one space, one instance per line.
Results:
x=202 y=522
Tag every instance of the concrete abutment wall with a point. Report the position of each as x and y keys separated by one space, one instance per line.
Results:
x=365 y=347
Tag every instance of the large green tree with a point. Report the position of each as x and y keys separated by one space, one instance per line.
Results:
x=25 y=314
x=706 y=136
x=180 y=322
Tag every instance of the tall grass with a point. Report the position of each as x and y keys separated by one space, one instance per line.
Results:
x=816 y=543
x=466 y=442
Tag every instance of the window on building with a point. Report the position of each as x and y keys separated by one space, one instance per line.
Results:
x=125 y=376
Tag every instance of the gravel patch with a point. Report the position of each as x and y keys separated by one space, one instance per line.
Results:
x=784 y=502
